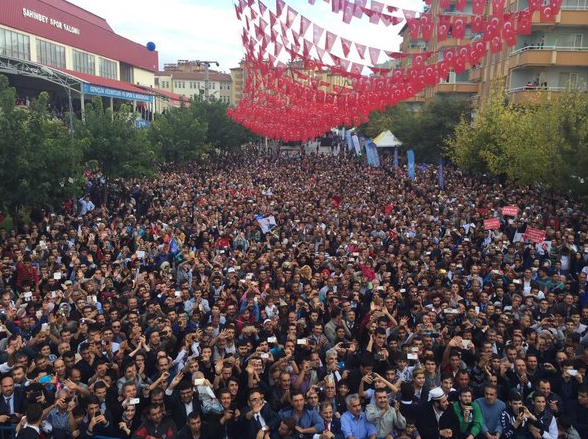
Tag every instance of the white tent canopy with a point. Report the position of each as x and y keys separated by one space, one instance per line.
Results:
x=387 y=140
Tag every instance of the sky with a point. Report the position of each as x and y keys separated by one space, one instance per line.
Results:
x=209 y=29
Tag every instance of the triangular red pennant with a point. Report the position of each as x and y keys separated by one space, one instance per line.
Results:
x=359 y=4
x=304 y=25
x=280 y=4
x=277 y=48
x=291 y=16
x=377 y=8
x=330 y=41
x=360 y=50
x=262 y=7
x=273 y=18
x=317 y=33
x=348 y=12
x=336 y=5
x=356 y=69
x=374 y=55
x=346 y=46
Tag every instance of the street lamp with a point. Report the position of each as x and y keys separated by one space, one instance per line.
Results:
x=206 y=65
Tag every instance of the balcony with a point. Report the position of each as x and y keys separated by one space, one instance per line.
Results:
x=456 y=87
x=548 y=56
x=568 y=16
x=475 y=75
x=533 y=95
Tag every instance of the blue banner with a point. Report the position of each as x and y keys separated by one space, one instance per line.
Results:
x=348 y=140
x=411 y=167
x=395 y=157
x=372 y=154
x=98 y=90
x=441 y=178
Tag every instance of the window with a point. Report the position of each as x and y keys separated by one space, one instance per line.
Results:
x=572 y=40
x=568 y=80
x=126 y=72
x=84 y=62
x=15 y=45
x=50 y=54
x=107 y=68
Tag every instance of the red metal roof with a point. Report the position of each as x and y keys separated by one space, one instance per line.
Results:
x=64 y=23
x=103 y=82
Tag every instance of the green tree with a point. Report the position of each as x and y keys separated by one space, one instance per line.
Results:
x=180 y=135
x=38 y=163
x=424 y=131
x=222 y=132
x=111 y=140
x=545 y=143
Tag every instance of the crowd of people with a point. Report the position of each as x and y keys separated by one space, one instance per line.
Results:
x=378 y=307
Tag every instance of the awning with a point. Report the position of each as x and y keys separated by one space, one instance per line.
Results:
x=106 y=87
x=174 y=99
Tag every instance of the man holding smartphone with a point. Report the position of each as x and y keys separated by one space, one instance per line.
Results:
x=469 y=415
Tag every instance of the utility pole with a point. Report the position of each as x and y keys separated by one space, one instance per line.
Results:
x=206 y=65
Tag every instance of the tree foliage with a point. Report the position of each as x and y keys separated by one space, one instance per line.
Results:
x=111 y=140
x=180 y=135
x=544 y=144
x=423 y=131
x=222 y=132
x=39 y=165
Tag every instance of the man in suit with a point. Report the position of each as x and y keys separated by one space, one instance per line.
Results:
x=180 y=401
x=332 y=425
x=11 y=402
x=31 y=428
x=257 y=415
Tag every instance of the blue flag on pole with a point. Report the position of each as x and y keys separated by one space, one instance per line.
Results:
x=441 y=178
x=411 y=167
x=395 y=157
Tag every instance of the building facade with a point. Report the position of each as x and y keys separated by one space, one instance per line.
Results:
x=551 y=59
x=188 y=79
x=59 y=34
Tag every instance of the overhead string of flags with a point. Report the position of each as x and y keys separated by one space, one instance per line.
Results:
x=287 y=103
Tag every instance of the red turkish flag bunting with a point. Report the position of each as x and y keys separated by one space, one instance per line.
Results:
x=460 y=5
x=356 y=69
x=546 y=14
x=377 y=8
x=374 y=55
x=497 y=6
x=262 y=7
x=426 y=26
x=273 y=18
x=330 y=41
x=277 y=48
x=360 y=50
x=304 y=25
x=478 y=7
x=357 y=10
x=524 y=23
x=443 y=27
x=291 y=16
x=414 y=27
x=458 y=27
x=317 y=33
x=346 y=46
x=336 y=5
x=508 y=30
x=280 y=4
x=348 y=12
x=444 y=4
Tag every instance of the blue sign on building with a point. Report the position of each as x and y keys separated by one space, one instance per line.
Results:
x=98 y=90
x=142 y=124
